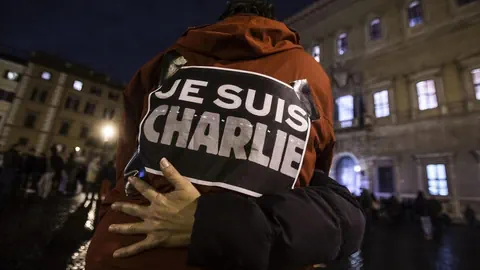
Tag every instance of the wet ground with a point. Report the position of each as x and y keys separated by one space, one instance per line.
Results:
x=54 y=235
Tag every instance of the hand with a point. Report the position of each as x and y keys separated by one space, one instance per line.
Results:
x=167 y=221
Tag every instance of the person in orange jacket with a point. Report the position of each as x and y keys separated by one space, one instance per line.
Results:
x=177 y=224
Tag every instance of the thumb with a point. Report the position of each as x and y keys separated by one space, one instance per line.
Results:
x=172 y=175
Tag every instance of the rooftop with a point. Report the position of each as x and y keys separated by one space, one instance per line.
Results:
x=81 y=71
x=14 y=59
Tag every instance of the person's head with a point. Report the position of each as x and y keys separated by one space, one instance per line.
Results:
x=420 y=194
x=255 y=7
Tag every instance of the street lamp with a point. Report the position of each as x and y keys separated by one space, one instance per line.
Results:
x=108 y=131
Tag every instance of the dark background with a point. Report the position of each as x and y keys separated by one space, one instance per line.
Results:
x=112 y=36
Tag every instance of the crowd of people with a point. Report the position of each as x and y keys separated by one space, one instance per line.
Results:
x=428 y=213
x=26 y=174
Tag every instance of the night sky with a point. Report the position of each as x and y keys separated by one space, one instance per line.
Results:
x=111 y=36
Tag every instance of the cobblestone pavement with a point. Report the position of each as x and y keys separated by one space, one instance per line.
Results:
x=55 y=235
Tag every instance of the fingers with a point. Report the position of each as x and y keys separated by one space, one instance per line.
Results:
x=176 y=240
x=131 y=209
x=146 y=244
x=145 y=189
x=130 y=228
x=173 y=175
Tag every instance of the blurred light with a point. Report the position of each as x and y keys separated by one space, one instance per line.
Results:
x=357 y=168
x=12 y=76
x=46 y=75
x=78 y=85
x=108 y=131
x=77 y=149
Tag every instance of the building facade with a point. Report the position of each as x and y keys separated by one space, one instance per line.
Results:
x=63 y=105
x=406 y=81
x=11 y=69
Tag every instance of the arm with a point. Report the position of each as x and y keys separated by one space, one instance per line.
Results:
x=271 y=232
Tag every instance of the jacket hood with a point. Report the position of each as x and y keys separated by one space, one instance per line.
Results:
x=240 y=37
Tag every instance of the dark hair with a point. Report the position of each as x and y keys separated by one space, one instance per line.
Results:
x=256 y=7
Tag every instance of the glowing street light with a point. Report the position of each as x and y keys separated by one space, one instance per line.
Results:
x=357 y=168
x=108 y=131
x=77 y=149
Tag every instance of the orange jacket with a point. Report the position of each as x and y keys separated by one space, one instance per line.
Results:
x=243 y=42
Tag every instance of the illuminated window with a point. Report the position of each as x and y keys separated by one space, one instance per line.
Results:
x=427 y=97
x=316 y=53
x=12 y=75
x=375 y=29
x=437 y=180
x=415 y=13
x=476 y=82
x=342 y=43
x=46 y=75
x=77 y=85
x=382 y=108
x=345 y=110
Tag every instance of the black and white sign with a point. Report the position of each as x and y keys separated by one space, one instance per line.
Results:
x=229 y=128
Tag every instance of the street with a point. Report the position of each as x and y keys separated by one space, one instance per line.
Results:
x=54 y=234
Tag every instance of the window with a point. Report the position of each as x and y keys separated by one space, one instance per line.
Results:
x=108 y=113
x=10 y=97
x=84 y=132
x=34 y=94
x=342 y=44
x=345 y=110
x=415 y=13
x=316 y=53
x=427 y=97
x=437 y=180
x=12 y=75
x=375 y=29
x=113 y=96
x=37 y=95
x=476 y=82
x=23 y=141
x=46 y=76
x=465 y=2
x=96 y=91
x=77 y=85
x=382 y=108
x=64 y=128
x=72 y=103
x=43 y=96
x=30 y=120
x=90 y=108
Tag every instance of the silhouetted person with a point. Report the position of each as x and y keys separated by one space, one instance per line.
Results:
x=57 y=164
x=394 y=210
x=39 y=169
x=108 y=177
x=470 y=216
x=11 y=165
x=366 y=203
x=421 y=209
x=435 y=210
x=93 y=171
x=28 y=168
